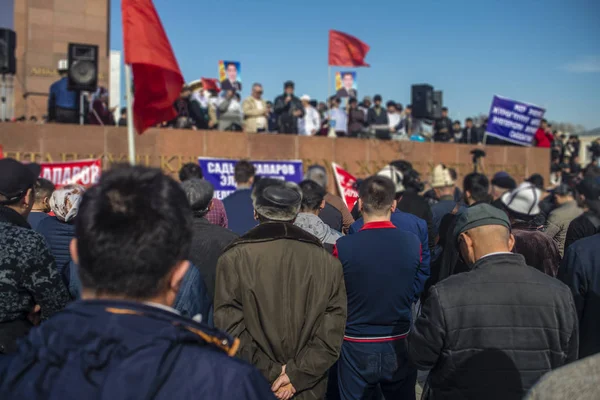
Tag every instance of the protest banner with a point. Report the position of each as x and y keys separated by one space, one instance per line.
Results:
x=346 y=185
x=514 y=121
x=81 y=172
x=220 y=172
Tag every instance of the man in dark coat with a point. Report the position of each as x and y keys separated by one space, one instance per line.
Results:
x=28 y=274
x=208 y=240
x=490 y=332
x=283 y=295
x=288 y=109
x=580 y=270
x=377 y=119
x=124 y=340
x=442 y=128
x=588 y=223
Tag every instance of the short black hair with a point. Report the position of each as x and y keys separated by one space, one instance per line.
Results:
x=189 y=171
x=123 y=110
x=43 y=188
x=199 y=193
x=243 y=171
x=444 y=108
x=399 y=106
x=457 y=122
x=377 y=194
x=408 y=106
x=377 y=97
x=132 y=228
x=478 y=185
x=352 y=100
x=453 y=174
x=312 y=195
x=348 y=73
x=536 y=180
x=469 y=120
x=391 y=104
x=544 y=121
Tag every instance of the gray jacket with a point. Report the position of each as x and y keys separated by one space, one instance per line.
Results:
x=314 y=225
x=229 y=116
x=558 y=223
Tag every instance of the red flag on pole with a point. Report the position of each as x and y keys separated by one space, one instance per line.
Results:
x=156 y=76
x=346 y=50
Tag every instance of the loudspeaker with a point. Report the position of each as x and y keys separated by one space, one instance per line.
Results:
x=422 y=101
x=83 y=67
x=438 y=103
x=8 y=44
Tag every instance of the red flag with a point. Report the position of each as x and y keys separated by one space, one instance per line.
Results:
x=346 y=185
x=210 y=84
x=346 y=50
x=156 y=76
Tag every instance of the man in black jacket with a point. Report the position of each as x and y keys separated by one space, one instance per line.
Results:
x=28 y=274
x=209 y=240
x=442 y=128
x=588 y=223
x=288 y=109
x=493 y=331
x=470 y=134
x=377 y=119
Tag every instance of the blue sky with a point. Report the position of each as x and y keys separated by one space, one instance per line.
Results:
x=544 y=52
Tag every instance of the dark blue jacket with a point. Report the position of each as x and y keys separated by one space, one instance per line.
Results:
x=381 y=265
x=240 y=211
x=35 y=217
x=109 y=350
x=580 y=270
x=409 y=223
x=58 y=235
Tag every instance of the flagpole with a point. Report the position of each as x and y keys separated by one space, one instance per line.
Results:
x=130 y=131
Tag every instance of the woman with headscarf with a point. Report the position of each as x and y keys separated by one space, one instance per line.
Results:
x=60 y=229
x=99 y=113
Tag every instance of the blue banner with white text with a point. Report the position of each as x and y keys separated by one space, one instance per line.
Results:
x=514 y=121
x=220 y=172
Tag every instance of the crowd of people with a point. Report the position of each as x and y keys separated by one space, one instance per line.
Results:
x=145 y=287
x=209 y=108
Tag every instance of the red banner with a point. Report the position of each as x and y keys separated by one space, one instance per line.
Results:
x=82 y=172
x=345 y=183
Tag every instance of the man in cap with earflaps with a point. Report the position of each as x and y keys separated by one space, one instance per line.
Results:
x=283 y=295
x=490 y=332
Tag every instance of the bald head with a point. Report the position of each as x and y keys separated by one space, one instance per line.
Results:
x=483 y=240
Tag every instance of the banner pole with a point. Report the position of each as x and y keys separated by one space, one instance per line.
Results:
x=130 y=132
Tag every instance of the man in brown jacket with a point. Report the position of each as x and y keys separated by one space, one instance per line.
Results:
x=283 y=295
x=255 y=111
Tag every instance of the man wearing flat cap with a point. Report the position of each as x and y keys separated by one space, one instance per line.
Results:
x=28 y=274
x=492 y=332
x=283 y=295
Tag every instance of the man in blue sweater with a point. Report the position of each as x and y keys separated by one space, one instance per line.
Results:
x=381 y=264
x=238 y=205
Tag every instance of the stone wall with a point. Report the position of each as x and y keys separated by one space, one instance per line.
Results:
x=169 y=149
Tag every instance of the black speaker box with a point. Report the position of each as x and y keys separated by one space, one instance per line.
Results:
x=8 y=45
x=438 y=103
x=422 y=101
x=83 y=67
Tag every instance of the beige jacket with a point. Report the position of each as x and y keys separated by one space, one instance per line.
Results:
x=252 y=113
x=558 y=223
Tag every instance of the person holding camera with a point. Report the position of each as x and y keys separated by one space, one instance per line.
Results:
x=288 y=109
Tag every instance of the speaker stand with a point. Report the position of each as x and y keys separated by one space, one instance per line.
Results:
x=81 y=111
x=3 y=99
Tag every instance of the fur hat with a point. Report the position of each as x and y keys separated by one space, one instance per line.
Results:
x=276 y=200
